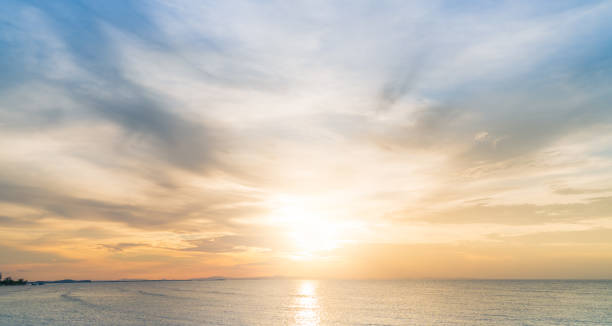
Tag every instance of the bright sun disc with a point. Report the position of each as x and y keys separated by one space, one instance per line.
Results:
x=310 y=231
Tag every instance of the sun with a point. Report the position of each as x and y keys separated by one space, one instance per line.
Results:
x=311 y=231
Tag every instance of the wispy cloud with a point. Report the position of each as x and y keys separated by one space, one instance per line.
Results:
x=206 y=130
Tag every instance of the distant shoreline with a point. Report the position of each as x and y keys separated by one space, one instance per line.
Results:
x=69 y=281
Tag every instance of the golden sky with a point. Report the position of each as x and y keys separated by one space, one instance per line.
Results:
x=184 y=139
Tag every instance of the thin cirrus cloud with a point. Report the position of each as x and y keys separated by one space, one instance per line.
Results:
x=195 y=132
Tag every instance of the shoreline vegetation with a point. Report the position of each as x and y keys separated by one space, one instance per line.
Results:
x=9 y=281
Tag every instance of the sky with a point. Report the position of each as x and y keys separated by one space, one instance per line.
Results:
x=320 y=139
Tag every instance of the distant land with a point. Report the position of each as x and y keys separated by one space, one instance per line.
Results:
x=8 y=281
x=60 y=281
x=210 y=278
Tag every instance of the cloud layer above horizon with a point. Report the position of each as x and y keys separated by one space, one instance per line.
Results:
x=244 y=138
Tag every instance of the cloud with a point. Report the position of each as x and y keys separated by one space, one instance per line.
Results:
x=121 y=246
x=10 y=255
x=580 y=191
x=174 y=139
x=223 y=244
x=12 y=222
x=187 y=120
x=593 y=208
x=218 y=209
x=93 y=90
x=591 y=236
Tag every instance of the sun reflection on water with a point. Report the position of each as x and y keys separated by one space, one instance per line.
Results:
x=307 y=305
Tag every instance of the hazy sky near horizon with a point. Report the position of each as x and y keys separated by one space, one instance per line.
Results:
x=353 y=139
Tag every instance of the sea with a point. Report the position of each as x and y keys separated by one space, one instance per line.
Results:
x=310 y=302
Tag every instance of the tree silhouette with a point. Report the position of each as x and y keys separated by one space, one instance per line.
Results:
x=9 y=281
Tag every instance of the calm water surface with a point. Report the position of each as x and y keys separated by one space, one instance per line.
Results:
x=293 y=302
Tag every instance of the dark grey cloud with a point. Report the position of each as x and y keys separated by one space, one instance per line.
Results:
x=45 y=236
x=218 y=208
x=516 y=124
x=151 y=131
x=122 y=246
x=404 y=80
x=14 y=222
x=55 y=203
x=436 y=126
x=521 y=124
x=234 y=243
x=172 y=138
x=220 y=244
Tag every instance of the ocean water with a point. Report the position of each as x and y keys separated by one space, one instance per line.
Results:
x=309 y=302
